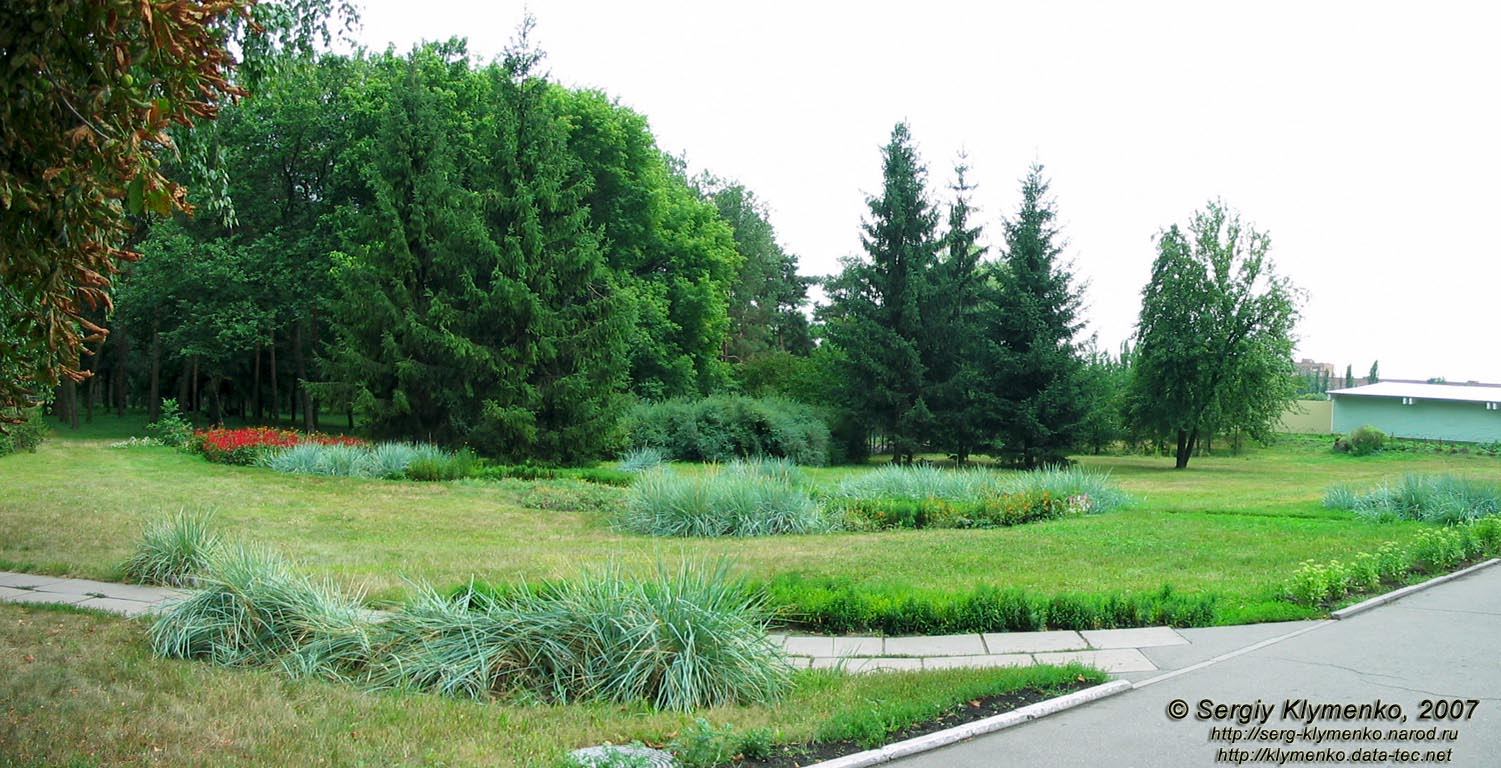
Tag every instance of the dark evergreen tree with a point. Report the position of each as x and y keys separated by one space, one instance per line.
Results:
x=874 y=318
x=478 y=308
x=951 y=345
x=1349 y=376
x=1033 y=404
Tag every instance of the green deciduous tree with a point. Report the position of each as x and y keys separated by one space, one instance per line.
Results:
x=1215 y=335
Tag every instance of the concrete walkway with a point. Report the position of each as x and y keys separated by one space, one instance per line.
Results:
x=129 y=599
x=1441 y=644
x=1118 y=651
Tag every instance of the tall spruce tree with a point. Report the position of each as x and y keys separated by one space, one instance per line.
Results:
x=1034 y=402
x=874 y=318
x=952 y=315
x=1349 y=376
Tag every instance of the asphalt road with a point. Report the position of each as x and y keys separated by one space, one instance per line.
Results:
x=1441 y=646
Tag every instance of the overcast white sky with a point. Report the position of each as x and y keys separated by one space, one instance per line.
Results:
x=1364 y=136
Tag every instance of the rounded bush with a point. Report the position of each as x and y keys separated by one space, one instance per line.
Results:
x=1366 y=440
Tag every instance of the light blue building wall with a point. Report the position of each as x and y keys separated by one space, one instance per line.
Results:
x=1424 y=419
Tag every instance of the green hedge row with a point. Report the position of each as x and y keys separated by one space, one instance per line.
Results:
x=725 y=427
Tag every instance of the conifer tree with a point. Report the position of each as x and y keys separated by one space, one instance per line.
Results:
x=875 y=314
x=1034 y=401
x=951 y=345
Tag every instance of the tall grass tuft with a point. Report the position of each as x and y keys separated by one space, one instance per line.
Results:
x=1440 y=498
x=1089 y=491
x=415 y=461
x=642 y=459
x=688 y=638
x=253 y=607
x=1086 y=490
x=174 y=550
x=737 y=499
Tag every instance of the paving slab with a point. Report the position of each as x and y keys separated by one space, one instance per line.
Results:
x=1112 y=660
x=936 y=645
x=979 y=662
x=131 y=608
x=1034 y=642
x=861 y=666
x=859 y=646
x=90 y=587
x=10 y=595
x=19 y=580
x=1144 y=637
x=809 y=646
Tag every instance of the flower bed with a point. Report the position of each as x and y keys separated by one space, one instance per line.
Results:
x=245 y=445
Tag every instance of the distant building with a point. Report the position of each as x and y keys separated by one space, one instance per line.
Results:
x=1308 y=367
x=1460 y=412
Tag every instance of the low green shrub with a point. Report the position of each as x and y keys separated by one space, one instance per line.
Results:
x=599 y=475
x=928 y=497
x=1431 y=552
x=171 y=427
x=842 y=606
x=573 y=496
x=1434 y=498
x=738 y=499
x=25 y=435
x=1366 y=440
x=174 y=550
x=725 y=427
x=441 y=465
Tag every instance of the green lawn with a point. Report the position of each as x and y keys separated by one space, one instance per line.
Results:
x=81 y=689
x=1231 y=525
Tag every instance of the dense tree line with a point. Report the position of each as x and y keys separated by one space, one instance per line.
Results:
x=471 y=254
x=457 y=252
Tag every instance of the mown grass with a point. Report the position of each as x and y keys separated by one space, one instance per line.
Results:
x=83 y=689
x=1235 y=526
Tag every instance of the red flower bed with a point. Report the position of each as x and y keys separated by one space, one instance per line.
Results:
x=245 y=445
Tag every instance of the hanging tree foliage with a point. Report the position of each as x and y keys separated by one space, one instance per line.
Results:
x=87 y=93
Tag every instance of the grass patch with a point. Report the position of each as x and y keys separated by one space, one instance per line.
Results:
x=85 y=687
x=1231 y=526
x=1430 y=553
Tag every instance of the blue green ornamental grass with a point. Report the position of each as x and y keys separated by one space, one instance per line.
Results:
x=1433 y=498
x=754 y=498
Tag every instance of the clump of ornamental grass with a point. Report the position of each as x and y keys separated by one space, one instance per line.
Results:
x=174 y=550
x=1434 y=498
x=642 y=459
x=737 y=499
x=254 y=607
x=1083 y=489
x=684 y=639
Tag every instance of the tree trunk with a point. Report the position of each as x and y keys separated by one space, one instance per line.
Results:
x=216 y=415
x=313 y=327
x=196 y=399
x=121 y=371
x=1185 y=449
x=70 y=398
x=301 y=357
x=185 y=387
x=256 y=387
x=275 y=392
